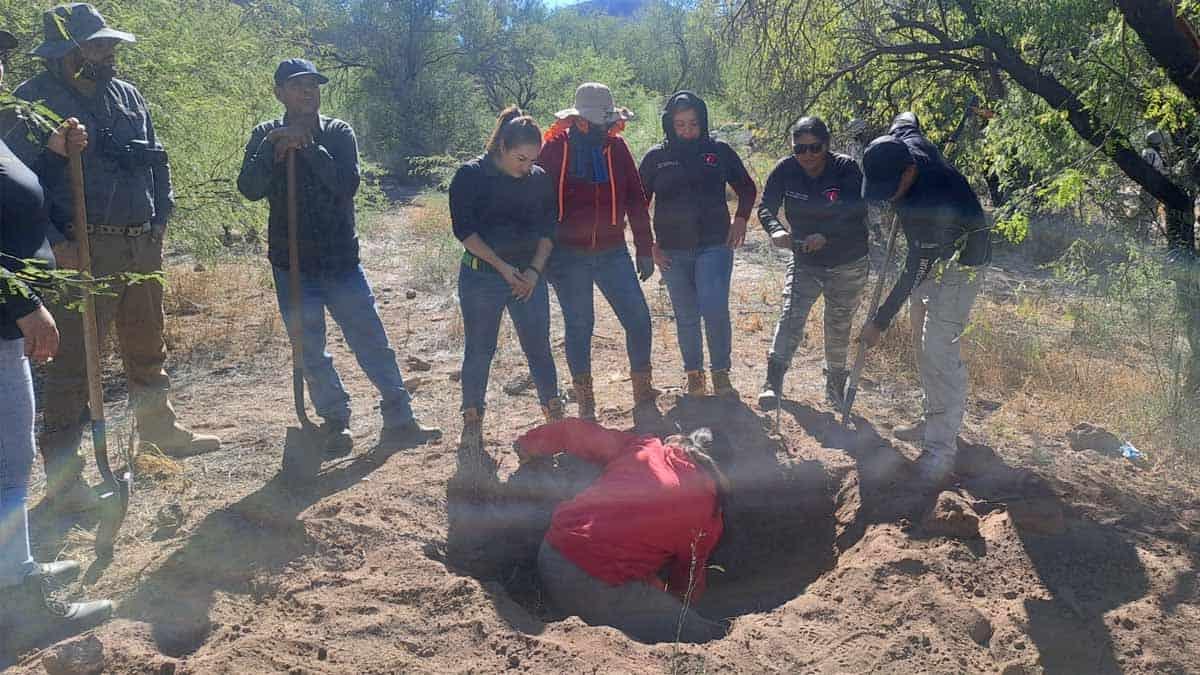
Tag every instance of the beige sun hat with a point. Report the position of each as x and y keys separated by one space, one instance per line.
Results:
x=594 y=103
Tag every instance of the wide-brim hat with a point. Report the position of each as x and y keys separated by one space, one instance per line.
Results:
x=65 y=27
x=7 y=41
x=594 y=103
x=884 y=162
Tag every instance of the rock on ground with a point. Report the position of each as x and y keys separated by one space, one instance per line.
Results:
x=80 y=656
x=952 y=516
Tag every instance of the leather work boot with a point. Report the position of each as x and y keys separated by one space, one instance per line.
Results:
x=585 y=396
x=158 y=424
x=336 y=439
x=696 y=385
x=472 y=432
x=31 y=618
x=910 y=433
x=553 y=410
x=835 y=387
x=772 y=391
x=408 y=435
x=722 y=386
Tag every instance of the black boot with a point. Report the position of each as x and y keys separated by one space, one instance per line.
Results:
x=335 y=435
x=408 y=435
x=772 y=392
x=835 y=387
x=30 y=618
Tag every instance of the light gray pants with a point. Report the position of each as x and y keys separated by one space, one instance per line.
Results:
x=641 y=611
x=939 y=310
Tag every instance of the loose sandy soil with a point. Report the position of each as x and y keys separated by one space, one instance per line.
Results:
x=833 y=563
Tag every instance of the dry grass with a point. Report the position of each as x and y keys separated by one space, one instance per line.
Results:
x=226 y=311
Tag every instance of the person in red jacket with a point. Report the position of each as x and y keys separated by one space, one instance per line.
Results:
x=655 y=510
x=596 y=187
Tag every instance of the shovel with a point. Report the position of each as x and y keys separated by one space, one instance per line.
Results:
x=114 y=502
x=301 y=449
x=860 y=357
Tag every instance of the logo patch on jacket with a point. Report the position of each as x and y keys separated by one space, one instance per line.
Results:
x=802 y=196
x=832 y=194
x=710 y=158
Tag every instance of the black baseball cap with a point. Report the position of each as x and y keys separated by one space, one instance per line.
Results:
x=884 y=160
x=292 y=68
x=7 y=41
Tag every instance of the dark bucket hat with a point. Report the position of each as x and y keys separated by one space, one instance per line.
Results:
x=7 y=41
x=68 y=26
x=884 y=161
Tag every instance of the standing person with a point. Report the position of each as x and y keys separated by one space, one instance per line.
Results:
x=821 y=194
x=687 y=174
x=129 y=200
x=502 y=210
x=948 y=244
x=1153 y=213
x=603 y=554
x=27 y=330
x=331 y=277
x=596 y=187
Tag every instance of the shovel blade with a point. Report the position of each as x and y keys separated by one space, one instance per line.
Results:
x=302 y=455
x=114 y=505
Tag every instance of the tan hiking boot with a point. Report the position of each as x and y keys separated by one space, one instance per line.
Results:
x=910 y=433
x=643 y=388
x=553 y=410
x=178 y=441
x=585 y=396
x=722 y=386
x=472 y=432
x=696 y=384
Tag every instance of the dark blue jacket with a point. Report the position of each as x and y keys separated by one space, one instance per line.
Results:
x=23 y=224
x=941 y=216
x=327 y=179
x=510 y=214
x=127 y=180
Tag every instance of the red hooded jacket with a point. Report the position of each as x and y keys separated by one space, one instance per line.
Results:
x=591 y=216
x=653 y=507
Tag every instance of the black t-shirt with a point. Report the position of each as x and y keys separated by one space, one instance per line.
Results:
x=687 y=183
x=510 y=214
x=23 y=222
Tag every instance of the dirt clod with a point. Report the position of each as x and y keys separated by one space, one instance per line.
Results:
x=418 y=364
x=980 y=629
x=81 y=656
x=1038 y=515
x=322 y=653
x=952 y=516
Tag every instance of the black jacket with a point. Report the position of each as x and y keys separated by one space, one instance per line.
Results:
x=830 y=204
x=941 y=217
x=327 y=178
x=687 y=180
x=509 y=214
x=23 y=223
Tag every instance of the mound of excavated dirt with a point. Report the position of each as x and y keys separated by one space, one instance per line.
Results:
x=836 y=559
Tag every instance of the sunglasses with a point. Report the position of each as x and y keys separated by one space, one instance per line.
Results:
x=805 y=148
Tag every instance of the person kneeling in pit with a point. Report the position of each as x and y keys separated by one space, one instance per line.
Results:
x=656 y=508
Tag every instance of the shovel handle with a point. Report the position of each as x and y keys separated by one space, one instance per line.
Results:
x=860 y=356
x=91 y=331
x=295 y=326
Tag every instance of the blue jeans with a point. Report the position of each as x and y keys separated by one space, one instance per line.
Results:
x=16 y=461
x=698 y=282
x=347 y=296
x=484 y=295
x=573 y=274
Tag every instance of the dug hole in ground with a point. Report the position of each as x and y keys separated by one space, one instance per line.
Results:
x=835 y=559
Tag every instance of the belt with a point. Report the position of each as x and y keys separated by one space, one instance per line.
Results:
x=120 y=230
x=474 y=262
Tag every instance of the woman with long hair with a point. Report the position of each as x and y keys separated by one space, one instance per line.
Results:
x=502 y=210
x=657 y=509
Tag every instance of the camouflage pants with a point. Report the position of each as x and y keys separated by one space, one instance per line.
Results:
x=136 y=310
x=842 y=287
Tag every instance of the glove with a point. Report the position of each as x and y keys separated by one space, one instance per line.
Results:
x=645 y=267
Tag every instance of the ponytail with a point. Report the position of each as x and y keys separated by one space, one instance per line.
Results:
x=698 y=446
x=513 y=127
